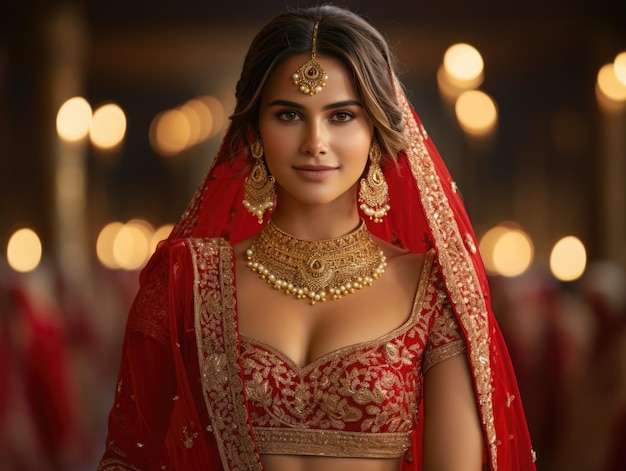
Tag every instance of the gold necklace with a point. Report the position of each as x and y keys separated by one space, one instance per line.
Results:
x=316 y=270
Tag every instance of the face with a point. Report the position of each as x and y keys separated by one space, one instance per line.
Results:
x=316 y=147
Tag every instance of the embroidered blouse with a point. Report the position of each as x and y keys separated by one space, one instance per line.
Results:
x=360 y=400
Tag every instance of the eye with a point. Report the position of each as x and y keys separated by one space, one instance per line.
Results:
x=342 y=116
x=288 y=115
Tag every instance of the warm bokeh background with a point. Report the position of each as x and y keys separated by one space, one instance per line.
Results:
x=541 y=157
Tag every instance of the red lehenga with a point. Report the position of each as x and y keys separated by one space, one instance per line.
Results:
x=182 y=330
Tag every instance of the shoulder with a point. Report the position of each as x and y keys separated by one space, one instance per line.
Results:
x=403 y=260
x=406 y=268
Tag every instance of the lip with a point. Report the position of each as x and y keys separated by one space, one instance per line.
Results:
x=315 y=172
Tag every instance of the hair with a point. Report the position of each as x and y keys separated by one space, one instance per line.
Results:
x=342 y=35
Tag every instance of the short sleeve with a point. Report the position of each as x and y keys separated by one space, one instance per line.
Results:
x=445 y=339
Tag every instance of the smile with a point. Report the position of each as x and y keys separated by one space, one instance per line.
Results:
x=315 y=173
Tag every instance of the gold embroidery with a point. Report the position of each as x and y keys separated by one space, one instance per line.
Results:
x=440 y=354
x=457 y=266
x=188 y=437
x=369 y=389
x=332 y=443
x=469 y=242
x=217 y=340
x=509 y=399
x=117 y=463
x=114 y=464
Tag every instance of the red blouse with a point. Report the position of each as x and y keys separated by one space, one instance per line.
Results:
x=360 y=400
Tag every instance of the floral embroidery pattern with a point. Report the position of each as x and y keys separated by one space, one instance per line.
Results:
x=217 y=337
x=457 y=267
x=372 y=388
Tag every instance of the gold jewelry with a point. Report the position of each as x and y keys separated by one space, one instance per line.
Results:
x=259 y=189
x=316 y=270
x=374 y=192
x=311 y=77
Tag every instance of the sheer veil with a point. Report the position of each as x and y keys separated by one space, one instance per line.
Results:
x=427 y=212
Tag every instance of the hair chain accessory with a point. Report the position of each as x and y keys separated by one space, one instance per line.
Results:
x=259 y=189
x=316 y=270
x=374 y=192
x=311 y=77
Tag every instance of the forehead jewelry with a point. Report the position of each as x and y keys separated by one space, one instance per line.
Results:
x=311 y=77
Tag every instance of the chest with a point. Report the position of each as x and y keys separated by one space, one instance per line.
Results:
x=305 y=332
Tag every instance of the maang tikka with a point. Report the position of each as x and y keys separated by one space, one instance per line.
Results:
x=374 y=192
x=259 y=189
x=311 y=77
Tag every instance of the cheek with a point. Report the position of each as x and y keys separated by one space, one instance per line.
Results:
x=276 y=139
x=276 y=149
x=356 y=145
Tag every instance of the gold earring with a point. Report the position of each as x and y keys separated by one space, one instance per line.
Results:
x=259 y=189
x=374 y=192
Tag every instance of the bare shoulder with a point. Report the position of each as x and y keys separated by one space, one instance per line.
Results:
x=406 y=264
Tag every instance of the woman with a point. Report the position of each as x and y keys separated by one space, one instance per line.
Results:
x=379 y=297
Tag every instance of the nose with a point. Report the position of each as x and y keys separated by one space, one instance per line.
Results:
x=314 y=141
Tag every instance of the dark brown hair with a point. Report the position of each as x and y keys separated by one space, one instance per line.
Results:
x=342 y=35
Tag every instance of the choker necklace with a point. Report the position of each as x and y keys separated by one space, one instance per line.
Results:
x=316 y=270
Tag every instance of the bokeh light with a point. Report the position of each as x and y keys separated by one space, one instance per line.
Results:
x=131 y=247
x=217 y=113
x=568 y=259
x=104 y=244
x=192 y=114
x=108 y=126
x=127 y=246
x=74 y=119
x=619 y=65
x=476 y=112
x=487 y=245
x=609 y=85
x=170 y=132
x=24 y=250
x=463 y=64
x=513 y=252
x=176 y=130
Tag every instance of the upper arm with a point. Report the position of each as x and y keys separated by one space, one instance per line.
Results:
x=453 y=437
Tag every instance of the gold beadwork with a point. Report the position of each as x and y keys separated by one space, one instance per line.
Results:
x=374 y=192
x=311 y=77
x=259 y=189
x=316 y=270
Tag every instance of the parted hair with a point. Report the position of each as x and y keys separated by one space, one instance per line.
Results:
x=342 y=35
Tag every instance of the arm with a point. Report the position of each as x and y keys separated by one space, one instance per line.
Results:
x=453 y=438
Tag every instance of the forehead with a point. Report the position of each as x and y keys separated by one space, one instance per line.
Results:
x=339 y=85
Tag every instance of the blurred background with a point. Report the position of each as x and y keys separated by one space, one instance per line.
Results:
x=110 y=114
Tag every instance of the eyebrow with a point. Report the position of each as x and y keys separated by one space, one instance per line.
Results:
x=331 y=106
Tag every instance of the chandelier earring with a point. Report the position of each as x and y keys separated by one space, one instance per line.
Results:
x=259 y=189
x=374 y=192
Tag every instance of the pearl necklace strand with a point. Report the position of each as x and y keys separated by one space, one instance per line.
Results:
x=316 y=270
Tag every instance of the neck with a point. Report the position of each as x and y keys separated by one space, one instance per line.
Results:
x=316 y=222
x=316 y=228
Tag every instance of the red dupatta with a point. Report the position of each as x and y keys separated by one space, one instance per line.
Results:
x=426 y=211
x=186 y=311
